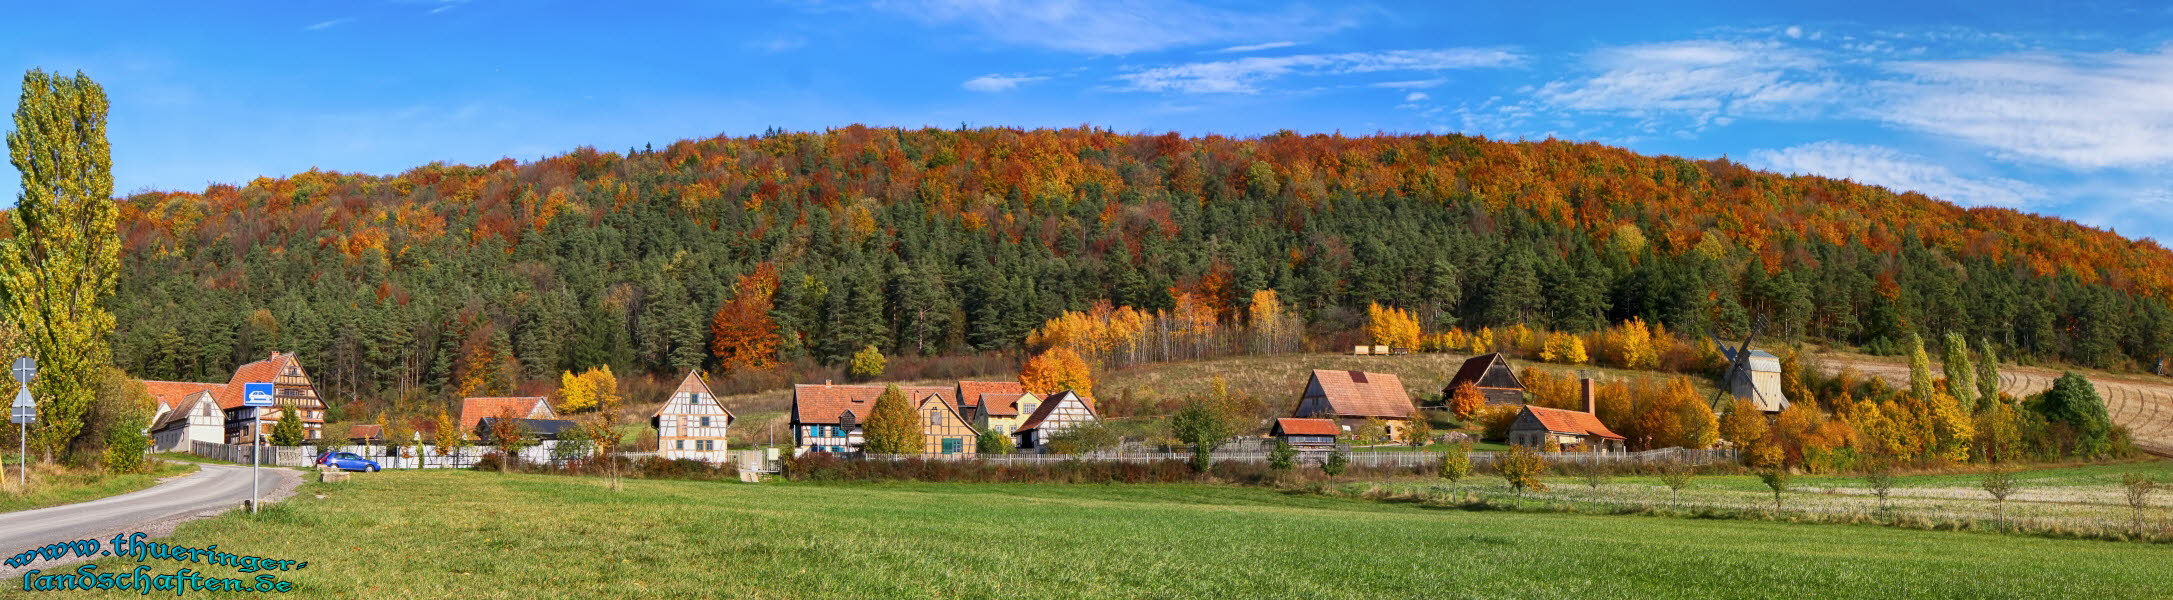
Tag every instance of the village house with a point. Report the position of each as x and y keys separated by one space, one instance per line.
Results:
x=1306 y=435
x=829 y=418
x=292 y=390
x=995 y=405
x=1350 y=398
x=1493 y=376
x=192 y=417
x=1063 y=411
x=943 y=429
x=692 y=423
x=474 y=410
x=1759 y=381
x=1569 y=430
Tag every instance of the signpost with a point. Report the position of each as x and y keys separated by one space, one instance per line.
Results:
x=22 y=413
x=257 y=396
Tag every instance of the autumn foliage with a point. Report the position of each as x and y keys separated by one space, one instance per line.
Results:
x=1055 y=370
x=741 y=333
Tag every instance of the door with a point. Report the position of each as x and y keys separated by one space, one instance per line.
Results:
x=952 y=445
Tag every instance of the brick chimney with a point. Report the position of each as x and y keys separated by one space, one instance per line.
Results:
x=1585 y=389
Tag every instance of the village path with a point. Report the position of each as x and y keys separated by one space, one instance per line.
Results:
x=212 y=490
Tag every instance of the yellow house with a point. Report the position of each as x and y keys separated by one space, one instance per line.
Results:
x=1004 y=412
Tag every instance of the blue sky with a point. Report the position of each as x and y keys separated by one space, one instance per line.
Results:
x=2060 y=108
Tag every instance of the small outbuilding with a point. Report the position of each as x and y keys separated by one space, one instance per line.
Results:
x=1570 y=430
x=1493 y=376
x=1307 y=435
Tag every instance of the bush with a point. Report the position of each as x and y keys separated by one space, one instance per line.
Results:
x=1456 y=462
x=992 y=442
x=1282 y=456
x=1337 y=463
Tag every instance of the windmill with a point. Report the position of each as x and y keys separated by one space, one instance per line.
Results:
x=1739 y=366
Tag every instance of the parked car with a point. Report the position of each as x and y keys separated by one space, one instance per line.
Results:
x=346 y=461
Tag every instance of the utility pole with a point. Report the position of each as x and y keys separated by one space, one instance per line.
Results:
x=23 y=412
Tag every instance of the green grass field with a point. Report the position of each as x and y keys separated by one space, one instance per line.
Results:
x=488 y=535
x=52 y=487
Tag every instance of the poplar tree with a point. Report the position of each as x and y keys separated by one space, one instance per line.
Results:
x=1961 y=374
x=58 y=270
x=1987 y=375
x=1920 y=369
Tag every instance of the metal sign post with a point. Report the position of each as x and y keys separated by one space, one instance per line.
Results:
x=257 y=396
x=22 y=413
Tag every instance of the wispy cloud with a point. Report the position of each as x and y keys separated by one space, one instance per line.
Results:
x=1257 y=47
x=1245 y=75
x=2085 y=111
x=323 y=25
x=1900 y=171
x=1705 y=81
x=998 y=83
x=1411 y=84
x=1117 y=27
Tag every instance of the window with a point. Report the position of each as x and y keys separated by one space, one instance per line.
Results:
x=705 y=421
x=935 y=417
x=952 y=445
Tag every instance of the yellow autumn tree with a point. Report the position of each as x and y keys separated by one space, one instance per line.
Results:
x=1391 y=326
x=596 y=387
x=1466 y=401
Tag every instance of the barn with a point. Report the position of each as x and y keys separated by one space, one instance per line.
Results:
x=1494 y=378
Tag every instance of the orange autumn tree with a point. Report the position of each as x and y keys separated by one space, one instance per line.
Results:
x=1056 y=370
x=1466 y=401
x=1391 y=326
x=741 y=333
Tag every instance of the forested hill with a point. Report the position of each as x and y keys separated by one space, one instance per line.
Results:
x=454 y=278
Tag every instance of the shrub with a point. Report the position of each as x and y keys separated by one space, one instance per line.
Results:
x=1281 y=457
x=992 y=442
x=1336 y=464
x=1776 y=478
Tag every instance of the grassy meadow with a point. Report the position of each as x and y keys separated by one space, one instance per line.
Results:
x=465 y=534
x=53 y=485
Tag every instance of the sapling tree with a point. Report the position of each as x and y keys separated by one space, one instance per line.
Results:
x=1593 y=474
x=1203 y=426
x=1880 y=478
x=1336 y=464
x=1281 y=456
x=1521 y=467
x=1776 y=478
x=2139 y=488
x=1456 y=462
x=1677 y=477
x=2000 y=483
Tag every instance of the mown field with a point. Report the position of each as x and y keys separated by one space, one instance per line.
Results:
x=488 y=535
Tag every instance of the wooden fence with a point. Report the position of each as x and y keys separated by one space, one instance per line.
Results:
x=1357 y=459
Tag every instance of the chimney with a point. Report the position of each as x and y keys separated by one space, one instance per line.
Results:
x=1585 y=388
x=826 y=382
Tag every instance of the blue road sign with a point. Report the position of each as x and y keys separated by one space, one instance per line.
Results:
x=256 y=394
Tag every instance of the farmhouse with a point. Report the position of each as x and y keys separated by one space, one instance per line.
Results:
x=194 y=417
x=1759 y=381
x=1567 y=429
x=1351 y=397
x=943 y=429
x=540 y=429
x=692 y=423
x=1492 y=375
x=828 y=418
x=1307 y=435
x=474 y=410
x=1065 y=410
x=995 y=405
x=291 y=389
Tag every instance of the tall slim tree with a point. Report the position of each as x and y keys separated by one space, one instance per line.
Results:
x=1987 y=375
x=1920 y=369
x=58 y=270
x=1961 y=373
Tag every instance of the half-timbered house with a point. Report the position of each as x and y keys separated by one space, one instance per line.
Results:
x=943 y=429
x=829 y=418
x=692 y=423
x=292 y=391
x=1060 y=412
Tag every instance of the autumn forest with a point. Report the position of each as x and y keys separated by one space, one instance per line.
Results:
x=736 y=254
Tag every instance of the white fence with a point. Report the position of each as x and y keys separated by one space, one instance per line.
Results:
x=1411 y=458
x=388 y=457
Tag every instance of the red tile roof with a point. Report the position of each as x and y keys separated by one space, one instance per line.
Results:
x=999 y=404
x=1362 y=394
x=366 y=432
x=821 y=404
x=180 y=409
x=1297 y=426
x=261 y=371
x=1572 y=422
x=972 y=390
x=472 y=410
x=174 y=393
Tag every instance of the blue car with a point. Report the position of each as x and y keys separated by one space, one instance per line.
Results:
x=347 y=461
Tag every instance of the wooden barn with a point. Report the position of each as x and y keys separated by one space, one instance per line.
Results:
x=1062 y=411
x=1493 y=376
x=1307 y=435
x=692 y=424
x=1351 y=397
x=1759 y=381
x=1570 y=430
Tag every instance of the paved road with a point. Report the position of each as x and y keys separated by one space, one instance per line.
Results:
x=212 y=490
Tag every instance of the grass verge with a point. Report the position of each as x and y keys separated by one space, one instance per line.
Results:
x=54 y=486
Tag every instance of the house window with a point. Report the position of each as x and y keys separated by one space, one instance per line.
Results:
x=705 y=421
x=680 y=445
x=952 y=445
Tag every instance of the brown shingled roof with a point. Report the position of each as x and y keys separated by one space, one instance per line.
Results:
x=1573 y=422
x=1297 y=426
x=1049 y=406
x=820 y=404
x=1475 y=368
x=1362 y=394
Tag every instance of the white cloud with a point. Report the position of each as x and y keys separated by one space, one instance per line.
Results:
x=1878 y=165
x=2085 y=111
x=1412 y=84
x=1702 y=80
x=998 y=83
x=1257 y=47
x=1118 y=26
x=1415 y=96
x=1793 y=31
x=323 y=25
x=1244 y=75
